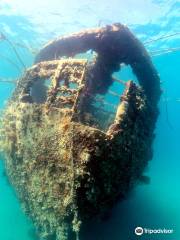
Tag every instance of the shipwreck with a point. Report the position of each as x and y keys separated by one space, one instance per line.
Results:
x=69 y=154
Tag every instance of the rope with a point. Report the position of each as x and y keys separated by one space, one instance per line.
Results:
x=3 y=37
x=11 y=62
x=167 y=113
x=164 y=51
x=7 y=81
x=160 y=38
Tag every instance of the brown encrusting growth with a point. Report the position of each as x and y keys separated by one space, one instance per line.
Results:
x=68 y=157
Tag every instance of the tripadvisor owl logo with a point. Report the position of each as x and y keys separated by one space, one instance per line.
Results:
x=138 y=231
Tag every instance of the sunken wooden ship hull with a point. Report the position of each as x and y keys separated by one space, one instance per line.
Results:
x=67 y=156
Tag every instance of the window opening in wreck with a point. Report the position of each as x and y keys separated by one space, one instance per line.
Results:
x=88 y=55
x=62 y=89
x=125 y=73
x=39 y=90
x=101 y=110
x=67 y=89
x=73 y=85
x=66 y=93
x=48 y=83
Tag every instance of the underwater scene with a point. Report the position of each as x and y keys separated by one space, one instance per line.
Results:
x=89 y=120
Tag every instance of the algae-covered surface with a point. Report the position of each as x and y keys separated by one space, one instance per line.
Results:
x=67 y=164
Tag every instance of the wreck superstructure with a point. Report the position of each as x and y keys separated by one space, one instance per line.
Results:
x=68 y=157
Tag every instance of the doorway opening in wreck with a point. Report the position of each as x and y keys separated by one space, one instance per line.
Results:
x=101 y=108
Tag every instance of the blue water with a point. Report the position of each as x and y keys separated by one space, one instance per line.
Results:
x=33 y=23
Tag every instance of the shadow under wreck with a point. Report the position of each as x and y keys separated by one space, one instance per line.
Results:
x=69 y=155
